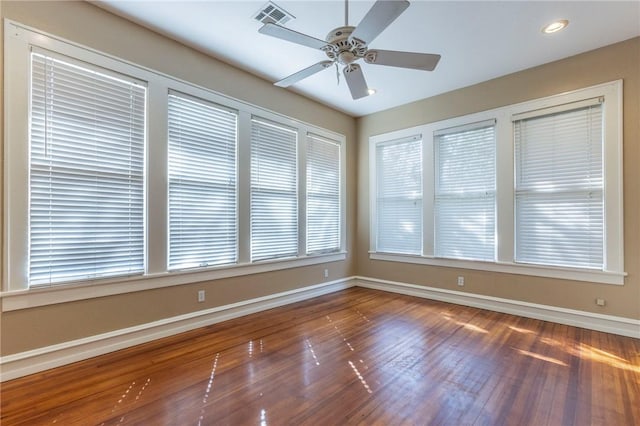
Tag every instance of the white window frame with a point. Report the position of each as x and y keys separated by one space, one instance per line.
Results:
x=15 y=292
x=527 y=192
x=375 y=187
x=264 y=147
x=228 y=111
x=613 y=271
x=341 y=193
x=464 y=196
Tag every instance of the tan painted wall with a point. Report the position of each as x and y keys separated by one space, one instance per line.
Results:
x=619 y=61
x=83 y=23
x=88 y=25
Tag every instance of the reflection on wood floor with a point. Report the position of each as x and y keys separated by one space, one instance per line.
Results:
x=355 y=357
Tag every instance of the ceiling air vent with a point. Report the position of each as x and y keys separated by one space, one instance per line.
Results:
x=271 y=13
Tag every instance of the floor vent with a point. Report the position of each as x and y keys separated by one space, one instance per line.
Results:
x=271 y=13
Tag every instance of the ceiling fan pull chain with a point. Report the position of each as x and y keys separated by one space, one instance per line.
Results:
x=337 y=75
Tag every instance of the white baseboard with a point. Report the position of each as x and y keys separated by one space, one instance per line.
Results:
x=607 y=323
x=34 y=361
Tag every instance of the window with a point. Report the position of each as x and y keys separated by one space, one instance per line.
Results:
x=533 y=188
x=323 y=195
x=274 y=191
x=202 y=184
x=128 y=179
x=559 y=186
x=399 y=196
x=86 y=200
x=465 y=196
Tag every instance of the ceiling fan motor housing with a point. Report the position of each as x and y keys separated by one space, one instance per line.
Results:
x=342 y=50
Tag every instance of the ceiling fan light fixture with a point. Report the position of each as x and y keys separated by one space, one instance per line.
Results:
x=555 y=26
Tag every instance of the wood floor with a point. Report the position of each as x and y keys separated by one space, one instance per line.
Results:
x=354 y=357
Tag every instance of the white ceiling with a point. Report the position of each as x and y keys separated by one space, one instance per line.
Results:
x=478 y=40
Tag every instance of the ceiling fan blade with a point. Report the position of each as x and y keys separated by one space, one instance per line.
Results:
x=394 y=58
x=283 y=33
x=309 y=71
x=381 y=14
x=356 y=82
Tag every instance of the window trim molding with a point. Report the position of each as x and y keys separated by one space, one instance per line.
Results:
x=613 y=271
x=62 y=293
x=14 y=292
x=575 y=274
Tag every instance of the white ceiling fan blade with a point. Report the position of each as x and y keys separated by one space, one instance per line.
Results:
x=283 y=33
x=381 y=14
x=294 y=78
x=356 y=82
x=394 y=58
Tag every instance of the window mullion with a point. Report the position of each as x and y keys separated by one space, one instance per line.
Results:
x=157 y=189
x=244 y=187
x=302 y=191
x=505 y=236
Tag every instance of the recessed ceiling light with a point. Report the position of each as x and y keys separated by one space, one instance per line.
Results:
x=555 y=26
x=371 y=91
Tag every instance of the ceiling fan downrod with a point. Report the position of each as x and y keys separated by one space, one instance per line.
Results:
x=346 y=13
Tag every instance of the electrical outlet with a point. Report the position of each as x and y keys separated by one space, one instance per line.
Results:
x=600 y=302
x=326 y=273
x=461 y=281
x=200 y=295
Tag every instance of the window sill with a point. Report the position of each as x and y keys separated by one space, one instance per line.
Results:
x=31 y=298
x=603 y=277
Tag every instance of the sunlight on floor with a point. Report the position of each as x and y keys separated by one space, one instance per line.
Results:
x=522 y=330
x=472 y=327
x=593 y=354
x=466 y=325
x=550 y=342
x=541 y=357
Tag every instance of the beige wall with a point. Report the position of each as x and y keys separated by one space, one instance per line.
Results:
x=619 y=61
x=88 y=25
x=85 y=24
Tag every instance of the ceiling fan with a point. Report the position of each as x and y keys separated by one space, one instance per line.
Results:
x=346 y=45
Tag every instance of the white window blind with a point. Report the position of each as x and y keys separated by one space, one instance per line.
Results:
x=274 y=191
x=465 y=192
x=323 y=195
x=559 y=187
x=202 y=184
x=399 y=196
x=86 y=216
